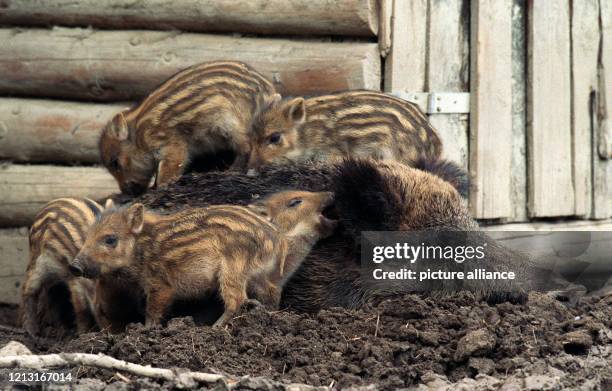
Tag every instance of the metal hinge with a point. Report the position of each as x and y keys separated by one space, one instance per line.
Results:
x=438 y=102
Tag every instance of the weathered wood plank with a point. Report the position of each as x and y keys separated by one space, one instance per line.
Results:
x=25 y=189
x=14 y=253
x=551 y=191
x=125 y=65
x=605 y=139
x=602 y=132
x=343 y=17
x=585 y=51
x=51 y=131
x=405 y=65
x=448 y=70
x=491 y=109
x=384 y=30
x=518 y=177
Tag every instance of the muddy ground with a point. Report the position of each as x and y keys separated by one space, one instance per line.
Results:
x=407 y=341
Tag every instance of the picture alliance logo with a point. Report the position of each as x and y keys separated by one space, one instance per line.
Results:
x=424 y=252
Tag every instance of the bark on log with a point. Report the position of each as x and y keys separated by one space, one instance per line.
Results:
x=126 y=65
x=36 y=130
x=25 y=189
x=322 y=17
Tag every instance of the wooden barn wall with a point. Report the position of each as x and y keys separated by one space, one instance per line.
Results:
x=520 y=90
x=537 y=142
x=59 y=85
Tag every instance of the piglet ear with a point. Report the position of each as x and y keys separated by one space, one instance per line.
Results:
x=109 y=204
x=296 y=110
x=119 y=127
x=135 y=218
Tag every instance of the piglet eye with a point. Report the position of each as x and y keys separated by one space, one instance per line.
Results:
x=110 y=240
x=294 y=202
x=274 y=138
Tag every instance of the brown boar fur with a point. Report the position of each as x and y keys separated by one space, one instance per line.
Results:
x=196 y=252
x=55 y=237
x=370 y=195
x=352 y=123
x=200 y=110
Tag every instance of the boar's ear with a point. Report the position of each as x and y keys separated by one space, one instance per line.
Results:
x=109 y=204
x=296 y=110
x=260 y=208
x=135 y=218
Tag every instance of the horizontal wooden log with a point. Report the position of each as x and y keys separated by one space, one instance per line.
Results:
x=342 y=17
x=125 y=65
x=25 y=189
x=51 y=131
x=14 y=252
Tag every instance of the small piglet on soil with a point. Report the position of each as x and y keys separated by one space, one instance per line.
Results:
x=196 y=252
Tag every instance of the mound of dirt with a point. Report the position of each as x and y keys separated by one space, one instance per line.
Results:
x=402 y=342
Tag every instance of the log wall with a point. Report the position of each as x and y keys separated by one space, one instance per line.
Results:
x=85 y=64
x=321 y=17
x=67 y=67
x=42 y=130
x=24 y=189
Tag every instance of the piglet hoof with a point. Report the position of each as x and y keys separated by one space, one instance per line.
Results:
x=150 y=323
x=220 y=322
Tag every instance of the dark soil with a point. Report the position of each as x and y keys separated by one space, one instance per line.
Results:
x=402 y=342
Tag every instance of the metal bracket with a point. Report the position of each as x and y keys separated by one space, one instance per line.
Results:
x=438 y=102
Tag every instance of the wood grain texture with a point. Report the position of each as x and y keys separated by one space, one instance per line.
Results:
x=585 y=51
x=448 y=70
x=405 y=65
x=25 y=189
x=602 y=133
x=341 y=17
x=491 y=109
x=125 y=65
x=518 y=177
x=551 y=191
x=605 y=130
x=51 y=131
x=14 y=253
x=384 y=29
